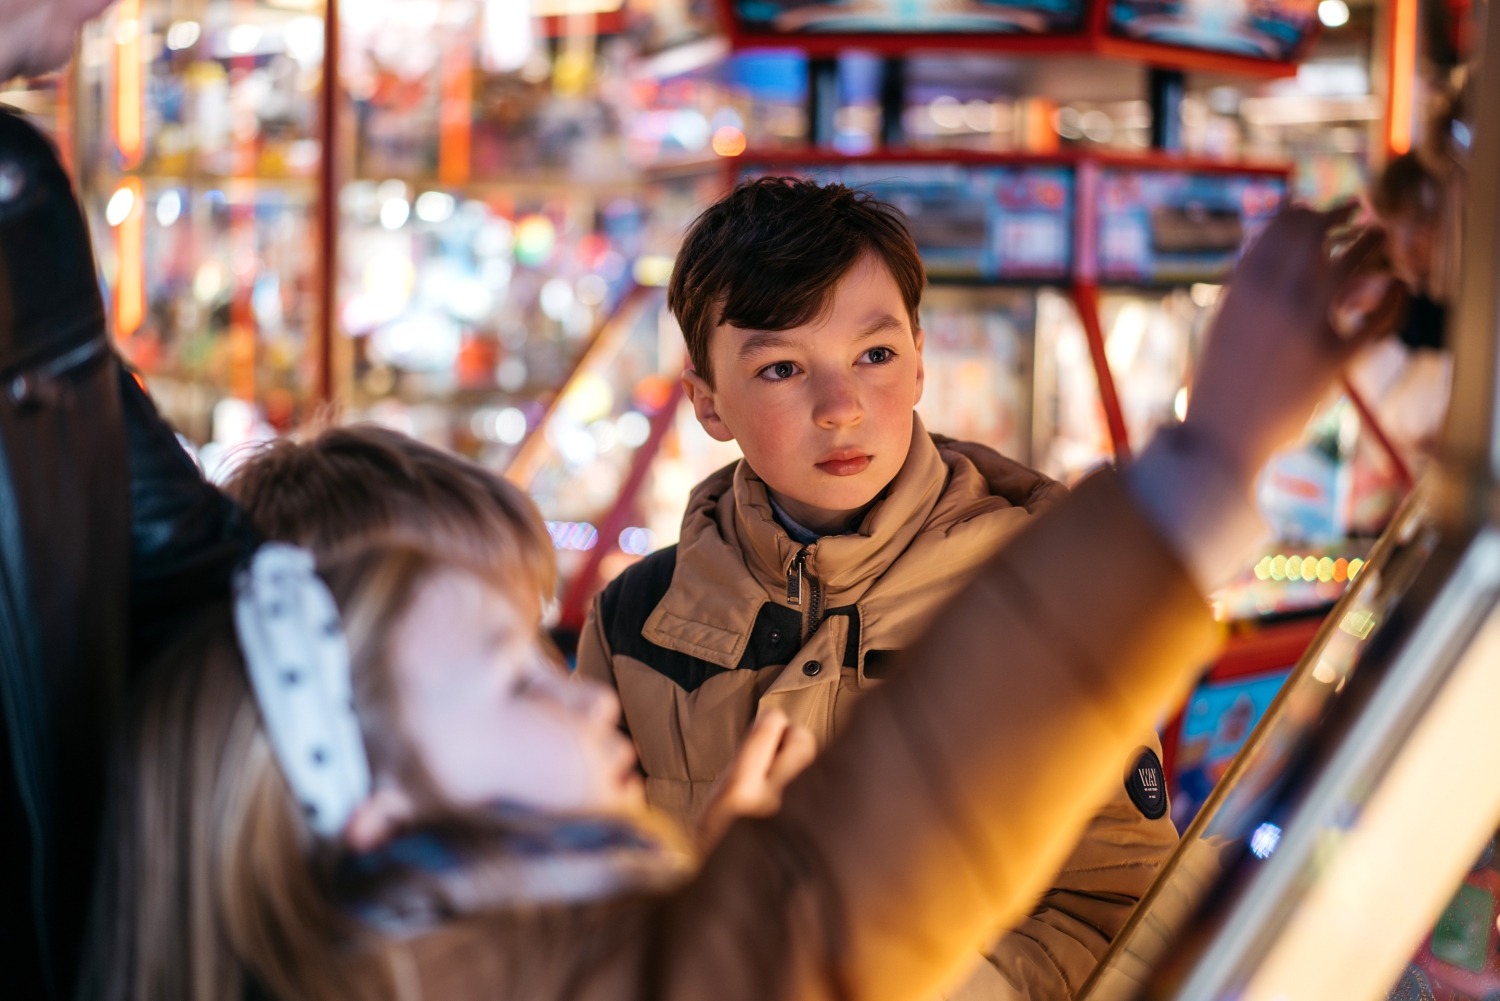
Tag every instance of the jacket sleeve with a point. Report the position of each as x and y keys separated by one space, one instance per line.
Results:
x=933 y=822
x=186 y=537
x=1050 y=954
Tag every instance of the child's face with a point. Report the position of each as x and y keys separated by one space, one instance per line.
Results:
x=823 y=412
x=493 y=718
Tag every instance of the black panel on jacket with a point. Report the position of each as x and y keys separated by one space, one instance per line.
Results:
x=630 y=599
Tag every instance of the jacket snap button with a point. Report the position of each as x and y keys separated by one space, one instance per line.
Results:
x=811 y=668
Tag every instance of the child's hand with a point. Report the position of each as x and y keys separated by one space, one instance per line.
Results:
x=774 y=751
x=1294 y=313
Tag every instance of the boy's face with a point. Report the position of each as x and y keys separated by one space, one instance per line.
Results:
x=823 y=412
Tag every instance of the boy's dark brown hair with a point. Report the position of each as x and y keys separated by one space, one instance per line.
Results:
x=768 y=256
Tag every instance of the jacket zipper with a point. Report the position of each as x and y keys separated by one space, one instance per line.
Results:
x=794 y=578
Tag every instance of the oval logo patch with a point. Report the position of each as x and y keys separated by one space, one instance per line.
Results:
x=1146 y=785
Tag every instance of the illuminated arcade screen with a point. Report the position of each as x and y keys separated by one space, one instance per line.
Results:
x=1272 y=30
x=1169 y=226
x=999 y=223
x=1021 y=17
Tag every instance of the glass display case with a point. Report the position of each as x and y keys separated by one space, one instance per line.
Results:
x=197 y=152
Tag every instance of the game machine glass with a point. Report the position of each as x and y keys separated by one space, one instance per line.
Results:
x=1031 y=17
x=1270 y=30
x=1330 y=851
x=1157 y=243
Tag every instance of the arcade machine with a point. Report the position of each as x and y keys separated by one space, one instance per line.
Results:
x=1349 y=849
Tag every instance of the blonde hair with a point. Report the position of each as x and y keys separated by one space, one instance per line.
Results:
x=352 y=484
x=214 y=877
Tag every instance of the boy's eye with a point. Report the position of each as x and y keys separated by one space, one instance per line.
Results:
x=777 y=371
x=880 y=356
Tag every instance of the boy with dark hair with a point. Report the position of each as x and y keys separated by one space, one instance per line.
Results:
x=804 y=566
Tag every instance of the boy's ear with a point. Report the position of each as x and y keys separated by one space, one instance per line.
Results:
x=701 y=395
x=377 y=818
x=921 y=372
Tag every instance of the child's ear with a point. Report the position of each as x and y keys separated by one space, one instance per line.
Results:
x=701 y=395
x=378 y=817
x=921 y=372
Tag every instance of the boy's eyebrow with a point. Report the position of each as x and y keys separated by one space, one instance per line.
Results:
x=764 y=340
x=882 y=324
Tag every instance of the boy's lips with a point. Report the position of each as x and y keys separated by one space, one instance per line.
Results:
x=845 y=462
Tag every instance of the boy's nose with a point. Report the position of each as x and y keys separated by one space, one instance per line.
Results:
x=836 y=403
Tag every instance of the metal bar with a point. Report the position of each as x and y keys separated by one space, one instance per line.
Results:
x=1372 y=424
x=1086 y=300
x=328 y=236
x=527 y=461
x=581 y=588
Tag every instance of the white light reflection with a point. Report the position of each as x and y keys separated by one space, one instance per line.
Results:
x=168 y=208
x=183 y=35
x=634 y=429
x=1265 y=839
x=1333 y=13
x=121 y=203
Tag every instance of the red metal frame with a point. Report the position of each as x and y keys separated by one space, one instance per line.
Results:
x=523 y=465
x=1145 y=160
x=1086 y=301
x=1403 y=471
x=328 y=233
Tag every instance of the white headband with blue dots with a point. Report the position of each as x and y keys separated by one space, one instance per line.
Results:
x=298 y=660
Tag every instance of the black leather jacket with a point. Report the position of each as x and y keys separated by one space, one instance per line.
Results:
x=108 y=539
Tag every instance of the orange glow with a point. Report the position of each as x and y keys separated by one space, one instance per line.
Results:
x=128 y=114
x=729 y=141
x=1041 y=137
x=455 y=124
x=241 y=348
x=1402 y=70
x=130 y=252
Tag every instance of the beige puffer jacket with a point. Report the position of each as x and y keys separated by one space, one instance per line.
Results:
x=932 y=820
x=749 y=619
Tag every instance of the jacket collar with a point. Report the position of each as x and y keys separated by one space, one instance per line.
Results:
x=733 y=555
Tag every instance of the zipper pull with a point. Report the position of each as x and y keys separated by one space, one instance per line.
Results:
x=794 y=579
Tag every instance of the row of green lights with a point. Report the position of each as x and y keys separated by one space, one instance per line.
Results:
x=1308 y=568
